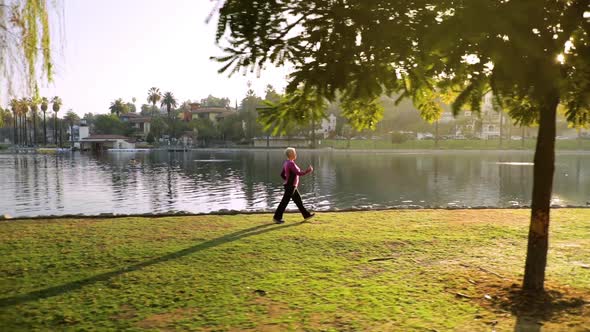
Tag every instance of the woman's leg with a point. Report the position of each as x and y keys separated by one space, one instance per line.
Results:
x=297 y=199
x=284 y=202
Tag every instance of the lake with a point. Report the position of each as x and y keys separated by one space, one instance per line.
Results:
x=248 y=180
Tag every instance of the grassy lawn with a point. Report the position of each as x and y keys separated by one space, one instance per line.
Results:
x=422 y=270
x=529 y=144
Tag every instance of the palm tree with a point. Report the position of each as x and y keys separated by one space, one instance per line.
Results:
x=44 y=107
x=71 y=118
x=56 y=101
x=34 y=105
x=15 y=109
x=118 y=107
x=154 y=96
x=169 y=101
x=24 y=109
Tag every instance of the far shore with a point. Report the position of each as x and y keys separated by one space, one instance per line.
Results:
x=360 y=145
x=307 y=149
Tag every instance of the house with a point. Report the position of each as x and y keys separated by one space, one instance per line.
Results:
x=446 y=117
x=140 y=123
x=215 y=114
x=490 y=119
x=328 y=125
x=483 y=125
x=105 y=142
x=79 y=132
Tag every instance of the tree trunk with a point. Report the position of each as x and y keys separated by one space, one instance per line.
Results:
x=55 y=128
x=61 y=138
x=509 y=131
x=34 y=128
x=25 y=126
x=312 y=131
x=536 y=259
x=501 y=126
x=20 y=129
x=436 y=134
x=23 y=130
x=15 y=142
x=44 y=130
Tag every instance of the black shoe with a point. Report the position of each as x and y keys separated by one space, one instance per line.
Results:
x=278 y=221
x=309 y=217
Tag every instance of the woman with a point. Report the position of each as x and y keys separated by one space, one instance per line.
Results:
x=290 y=175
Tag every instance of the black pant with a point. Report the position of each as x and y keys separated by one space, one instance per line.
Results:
x=290 y=193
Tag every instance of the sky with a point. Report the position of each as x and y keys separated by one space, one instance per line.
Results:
x=120 y=48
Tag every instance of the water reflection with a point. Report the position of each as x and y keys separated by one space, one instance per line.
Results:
x=206 y=181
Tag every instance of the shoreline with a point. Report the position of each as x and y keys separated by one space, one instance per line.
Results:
x=3 y=218
x=327 y=149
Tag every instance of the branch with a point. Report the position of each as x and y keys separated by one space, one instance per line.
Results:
x=291 y=26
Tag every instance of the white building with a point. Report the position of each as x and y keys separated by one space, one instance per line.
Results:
x=328 y=125
x=79 y=132
x=142 y=124
x=105 y=142
x=490 y=119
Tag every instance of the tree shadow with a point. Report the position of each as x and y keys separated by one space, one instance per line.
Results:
x=75 y=285
x=533 y=309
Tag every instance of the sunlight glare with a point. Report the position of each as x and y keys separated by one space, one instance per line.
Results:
x=561 y=58
x=470 y=59
x=569 y=45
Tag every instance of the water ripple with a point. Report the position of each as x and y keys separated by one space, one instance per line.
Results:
x=249 y=180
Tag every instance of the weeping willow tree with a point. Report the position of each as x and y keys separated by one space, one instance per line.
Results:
x=25 y=45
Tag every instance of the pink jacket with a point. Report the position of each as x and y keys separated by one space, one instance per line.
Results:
x=291 y=173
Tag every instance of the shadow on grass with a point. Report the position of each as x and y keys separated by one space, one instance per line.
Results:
x=74 y=285
x=532 y=310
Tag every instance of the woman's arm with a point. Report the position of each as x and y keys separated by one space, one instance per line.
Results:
x=294 y=169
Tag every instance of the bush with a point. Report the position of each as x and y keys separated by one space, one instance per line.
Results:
x=397 y=138
x=150 y=138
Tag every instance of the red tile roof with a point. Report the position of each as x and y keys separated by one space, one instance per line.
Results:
x=210 y=110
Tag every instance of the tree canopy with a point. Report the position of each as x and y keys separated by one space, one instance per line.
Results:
x=71 y=117
x=154 y=95
x=169 y=101
x=119 y=107
x=212 y=101
x=110 y=124
x=462 y=49
x=532 y=55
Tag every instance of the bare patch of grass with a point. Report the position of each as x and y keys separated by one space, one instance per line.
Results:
x=163 y=321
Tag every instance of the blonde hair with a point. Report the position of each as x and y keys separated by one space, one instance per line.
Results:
x=289 y=151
